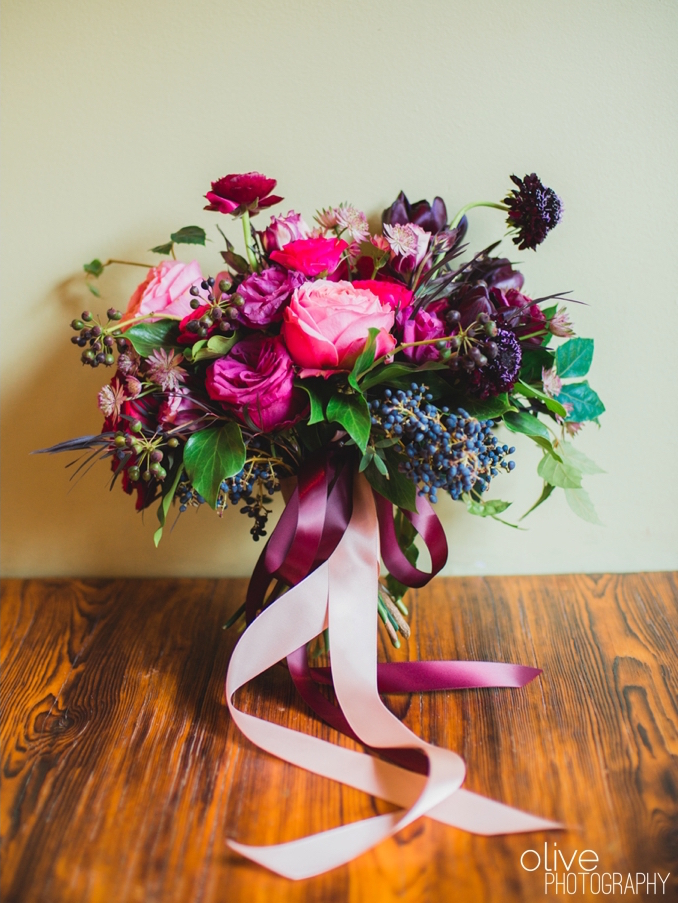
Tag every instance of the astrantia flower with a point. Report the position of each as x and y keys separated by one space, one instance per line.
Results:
x=128 y=362
x=560 y=324
x=572 y=427
x=133 y=386
x=534 y=210
x=239 y=192
x=110 y=399
x=164 y=369
x=327 y=218
x=501 y=373
x=408 y=242
x=354 y=221
x=551 y=381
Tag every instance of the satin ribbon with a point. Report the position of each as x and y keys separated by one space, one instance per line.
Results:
x=340 y=591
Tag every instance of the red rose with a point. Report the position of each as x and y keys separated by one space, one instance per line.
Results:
x=237 y=193
x=311 y=256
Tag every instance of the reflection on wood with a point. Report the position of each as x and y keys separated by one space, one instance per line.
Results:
x=122 y=773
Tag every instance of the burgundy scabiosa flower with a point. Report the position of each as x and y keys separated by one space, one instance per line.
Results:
x=239 y=192
x=501 y=373
x=533 y=210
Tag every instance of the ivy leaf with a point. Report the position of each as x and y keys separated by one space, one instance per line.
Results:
x=586 y=405
x=211 y=456
x=574 y=358
x=546 y=492
x=166 y=501
x=189 y=235
x=217 y=346
x=95 y=268
x=317 y=413
x=397 y=488
x=579 y=501
x=529 y=425
x=365 y=359
x=578 y=459
x=534 y=359
x=163 y=249
x=146 y=337
x=553 y=404
x=489 y=409
x=352 y=413
x=485 y=509
x=94 y=290
x=557 y=473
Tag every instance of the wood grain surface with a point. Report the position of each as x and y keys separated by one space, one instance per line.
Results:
x=122 y=774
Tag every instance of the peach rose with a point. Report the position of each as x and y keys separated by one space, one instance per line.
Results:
x=326 y=326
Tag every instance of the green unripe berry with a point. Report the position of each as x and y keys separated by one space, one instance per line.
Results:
x=173 y=442
x=146 y=476
x=133 y=473
x=110 y=360
x=77 y=324
x=137 y=426
x=119 y=441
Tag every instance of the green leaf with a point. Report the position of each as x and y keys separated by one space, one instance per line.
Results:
x=217 y=346
x=189 y=235
x=211 y=456
x=579 y=501
x=352 y=413
x=586 y=405
x=546 y=492
x=163 y=249
x=489 y=409
x=95 y=268
x=167 y=499
x=485 y=509
x=550 y=312
x=578 y=459
x=530 y=392
x=398 y=488
x=546 y=445
x=94 y=290
x=317 y=413
x=534 y=359
x=146 y=337
x=520 y=422
x=557 y=473
x=574 y=358
x=365 y=359
x=380 y=464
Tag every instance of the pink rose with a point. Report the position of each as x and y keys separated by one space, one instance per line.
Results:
x=166 y=290
x=283 y=230
x=311 y=256
x=326 y=326
x=256 y=382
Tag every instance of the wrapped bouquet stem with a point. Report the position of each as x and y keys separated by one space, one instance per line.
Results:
x=363 y=374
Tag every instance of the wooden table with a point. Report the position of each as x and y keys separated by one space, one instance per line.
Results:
x=122 y=773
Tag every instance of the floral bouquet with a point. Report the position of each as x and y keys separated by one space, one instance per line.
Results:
x=365 y=372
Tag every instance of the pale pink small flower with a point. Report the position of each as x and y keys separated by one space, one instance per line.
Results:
x=568 y=410
x=354 y=221
x=133 y=386
x=560 y=324
x=327 y=219
x=354 y=252
x=552 y=382
x=572 y=427
x=110 y=399
x=165 y=369
x=409 y=242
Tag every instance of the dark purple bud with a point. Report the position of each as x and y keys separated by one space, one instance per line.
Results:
x=398 y=214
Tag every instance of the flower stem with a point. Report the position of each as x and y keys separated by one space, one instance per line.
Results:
x=247 y=232
x=457 y=219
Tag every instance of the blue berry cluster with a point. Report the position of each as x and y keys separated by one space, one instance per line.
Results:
x=445 y=450
x=253 y=486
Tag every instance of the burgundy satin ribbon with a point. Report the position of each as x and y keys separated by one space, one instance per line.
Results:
x=309 y=530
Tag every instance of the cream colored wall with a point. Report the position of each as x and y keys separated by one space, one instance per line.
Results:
x=117 y=114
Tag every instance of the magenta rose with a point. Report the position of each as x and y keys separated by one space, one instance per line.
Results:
x=311 y=256
x=239 y=192
x=255 y=381
x=166 y=290
x=283 y=230
x=391 y=294
x=517 y=312
x=425 y=325
x=326 y=326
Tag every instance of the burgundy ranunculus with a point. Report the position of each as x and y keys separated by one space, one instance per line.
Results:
x=425 y=325
x=255 y=381
x=264 y=296
x=431 y=217
x=517 y=313
x=239 y=192
x=311 y=256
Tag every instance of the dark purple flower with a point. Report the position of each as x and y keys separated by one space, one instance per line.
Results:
x=264 y=295
x=534 y=210
x=470 y=301
x=431 y=217
x=239 y=192
x=516 y=312
x=495 y=272
x=501 y=373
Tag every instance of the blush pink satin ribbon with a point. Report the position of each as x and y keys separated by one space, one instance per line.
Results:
x=340 y=593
